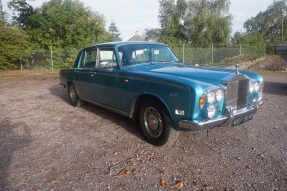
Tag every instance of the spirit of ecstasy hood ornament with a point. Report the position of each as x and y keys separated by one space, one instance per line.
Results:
x=237 y=68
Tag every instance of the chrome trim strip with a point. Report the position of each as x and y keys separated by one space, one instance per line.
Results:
x=193 y=126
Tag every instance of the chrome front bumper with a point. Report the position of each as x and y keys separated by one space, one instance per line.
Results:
x=231 y=114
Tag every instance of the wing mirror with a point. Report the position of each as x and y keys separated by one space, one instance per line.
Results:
x=104 y=65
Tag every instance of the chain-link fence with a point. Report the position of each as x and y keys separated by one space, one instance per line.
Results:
x=54 y=59
x=213 y=54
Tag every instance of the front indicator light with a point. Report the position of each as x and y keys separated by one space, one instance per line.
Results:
x=201 y=102
x=262 y=87
x=211 y=111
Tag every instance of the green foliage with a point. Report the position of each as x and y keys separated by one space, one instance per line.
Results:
x=171 y=16
x=14 y=50
x=21 y=12
x=54 y=28
x=267 y=26
x=151 y=34
x=60 y=24
x=203 y=20
x=193 y=22
x=53 y=58
x=114 y=32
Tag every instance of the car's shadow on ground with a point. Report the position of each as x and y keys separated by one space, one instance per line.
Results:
x=275 y=88
x=124 y=122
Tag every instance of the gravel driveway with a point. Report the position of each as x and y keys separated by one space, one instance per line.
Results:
x=46 y=144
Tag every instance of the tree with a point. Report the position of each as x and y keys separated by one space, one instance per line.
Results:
x=208 y=22
x=268 y=24
x=153 y=35
x=114 y=32
x=60 y=23
x=196 y=22
x=171 y=15
x=14 y=50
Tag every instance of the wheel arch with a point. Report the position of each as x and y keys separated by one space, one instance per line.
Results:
x=140 y=99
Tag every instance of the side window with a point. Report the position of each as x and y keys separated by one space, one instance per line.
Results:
x=88 y=59
x=107 y=58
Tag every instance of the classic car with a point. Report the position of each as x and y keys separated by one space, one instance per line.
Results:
x=145 y=81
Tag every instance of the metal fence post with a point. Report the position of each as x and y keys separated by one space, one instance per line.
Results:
x=211 y=53
x=183 y=53
x=52 y=59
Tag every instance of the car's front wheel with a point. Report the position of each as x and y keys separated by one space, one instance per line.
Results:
x=73 y=95
x=155 y=123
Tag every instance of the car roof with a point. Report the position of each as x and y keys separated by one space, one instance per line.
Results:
x=116 y=44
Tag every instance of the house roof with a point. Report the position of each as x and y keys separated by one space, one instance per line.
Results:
x=137 y=37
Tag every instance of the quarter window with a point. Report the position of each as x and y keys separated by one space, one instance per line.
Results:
x=107 y=58
x=89 y=58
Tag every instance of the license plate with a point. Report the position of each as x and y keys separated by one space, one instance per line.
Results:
x=242 y=119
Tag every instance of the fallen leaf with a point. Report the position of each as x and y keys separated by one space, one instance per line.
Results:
x=163 y=182
x=130 y=163
x=209 y=187
x=136 y=171
x=123 y=173
x=178 y=184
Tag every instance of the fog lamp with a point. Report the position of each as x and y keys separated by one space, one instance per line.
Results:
x=211 y=111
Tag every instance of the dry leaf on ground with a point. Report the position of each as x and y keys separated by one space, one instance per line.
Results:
x=123 y=173
x=163 y=182
x=178 y=184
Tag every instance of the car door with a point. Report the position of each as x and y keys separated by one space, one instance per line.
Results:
x=104 y=77
x=83 y=73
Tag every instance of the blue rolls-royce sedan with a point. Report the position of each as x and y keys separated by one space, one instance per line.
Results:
x=146 y=82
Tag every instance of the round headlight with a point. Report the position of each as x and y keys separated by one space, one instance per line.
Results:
x=219 y=95
x=210 y=97
x=256 y=86
x=211 y=111
x=251 y=88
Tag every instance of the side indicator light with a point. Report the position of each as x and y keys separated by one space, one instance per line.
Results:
x=262 y=86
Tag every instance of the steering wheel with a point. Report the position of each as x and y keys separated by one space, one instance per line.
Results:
x=128 y=61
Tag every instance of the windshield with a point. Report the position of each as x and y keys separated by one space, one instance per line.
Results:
x=144 y=53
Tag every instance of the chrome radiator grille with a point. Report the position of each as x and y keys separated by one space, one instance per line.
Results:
x=237 y=91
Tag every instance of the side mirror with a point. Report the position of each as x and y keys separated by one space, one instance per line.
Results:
x=104 y=65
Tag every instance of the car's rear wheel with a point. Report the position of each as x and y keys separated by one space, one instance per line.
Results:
x=73 y=95
x=155 y=123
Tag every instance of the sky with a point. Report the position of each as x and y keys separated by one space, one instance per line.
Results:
x=137 y=15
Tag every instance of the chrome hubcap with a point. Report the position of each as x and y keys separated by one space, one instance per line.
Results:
x=153 y=122
x=72 y=93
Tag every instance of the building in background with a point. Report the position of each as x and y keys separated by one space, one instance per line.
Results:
x=137 y=37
